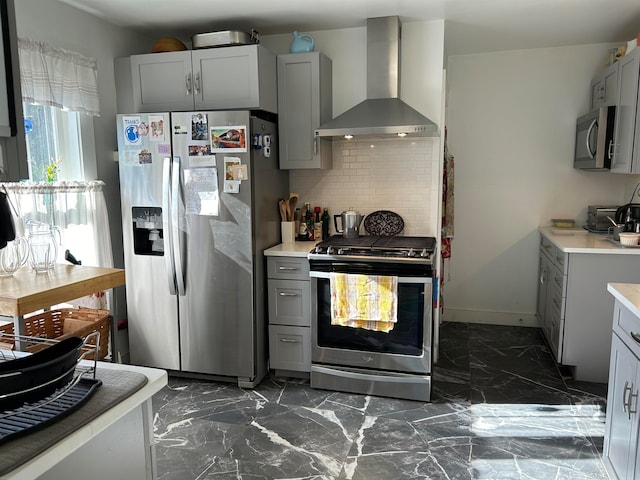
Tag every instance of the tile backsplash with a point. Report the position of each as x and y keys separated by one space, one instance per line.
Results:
x=401 y=175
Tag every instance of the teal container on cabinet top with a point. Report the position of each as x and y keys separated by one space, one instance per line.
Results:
x=302 y=43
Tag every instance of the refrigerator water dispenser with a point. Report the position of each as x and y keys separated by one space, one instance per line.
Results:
x=148 y=238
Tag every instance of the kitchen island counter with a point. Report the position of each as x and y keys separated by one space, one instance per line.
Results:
x=295 y=249
x=577 y=240
x=116 y=443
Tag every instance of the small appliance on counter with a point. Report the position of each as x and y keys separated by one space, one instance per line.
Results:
x=597 y=220
x=350 y=221
x=629 y=215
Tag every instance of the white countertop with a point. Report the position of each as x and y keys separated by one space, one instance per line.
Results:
x=156 y=380
x=628 y=294
x=295 y=249
x=578 y=240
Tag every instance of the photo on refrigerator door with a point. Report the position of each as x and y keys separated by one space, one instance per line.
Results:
x=199 y=126
x=229 y=139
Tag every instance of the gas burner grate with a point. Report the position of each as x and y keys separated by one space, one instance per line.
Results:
x=32 y=417
x=379 y=243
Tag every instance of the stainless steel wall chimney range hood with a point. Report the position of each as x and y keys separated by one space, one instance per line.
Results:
x=382 y=113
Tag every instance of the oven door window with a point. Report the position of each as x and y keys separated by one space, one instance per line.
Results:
x=405 y=338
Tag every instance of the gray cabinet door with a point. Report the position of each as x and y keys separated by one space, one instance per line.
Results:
x=604 y=88
x=621 y=426
x=626 y=106
x=242 y=77
x=162 y=82
x=304 y=103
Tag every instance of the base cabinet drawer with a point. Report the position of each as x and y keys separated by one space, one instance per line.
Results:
x=289 y=302
x=290 y=348
x=288 y=268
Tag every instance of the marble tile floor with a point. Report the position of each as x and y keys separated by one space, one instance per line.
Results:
x=501 y=409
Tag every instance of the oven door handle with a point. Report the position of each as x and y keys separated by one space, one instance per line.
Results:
x=425 y=280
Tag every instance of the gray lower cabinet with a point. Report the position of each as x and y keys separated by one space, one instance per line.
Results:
x=304 y=103
x=239 y=77
x=552 y=295
x=288 y=291
x=573 y=304
x=621 y=446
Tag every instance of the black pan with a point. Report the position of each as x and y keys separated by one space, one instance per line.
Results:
x=33 y=377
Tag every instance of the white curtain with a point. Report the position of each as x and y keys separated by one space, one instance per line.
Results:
x=78 y=209
x=58 y=77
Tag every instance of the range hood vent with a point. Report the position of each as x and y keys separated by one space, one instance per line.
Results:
x=382 y=113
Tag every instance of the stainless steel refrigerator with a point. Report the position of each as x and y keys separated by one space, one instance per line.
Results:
x=199 y=195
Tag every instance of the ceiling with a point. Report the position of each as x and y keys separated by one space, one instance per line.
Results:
x=472 y=26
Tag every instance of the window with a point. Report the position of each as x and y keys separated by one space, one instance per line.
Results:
x=57 y=137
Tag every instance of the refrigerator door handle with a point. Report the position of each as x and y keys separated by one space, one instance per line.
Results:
x=176 y=233
x=168 y=241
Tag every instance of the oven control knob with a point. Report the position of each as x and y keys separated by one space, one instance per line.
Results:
x=424 y=253
x=341 y=251
x=411 y=253
x=330 y=250
x=318 y=249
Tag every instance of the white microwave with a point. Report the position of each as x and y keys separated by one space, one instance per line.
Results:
x=594 y=139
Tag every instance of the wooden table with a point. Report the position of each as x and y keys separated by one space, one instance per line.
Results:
x=27 y=291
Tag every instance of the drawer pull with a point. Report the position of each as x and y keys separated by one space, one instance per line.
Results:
x=289 y=340
x=287 y=268
x=287 y=294
x=636 y=337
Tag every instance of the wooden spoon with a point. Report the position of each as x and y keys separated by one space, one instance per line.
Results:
x=283 y=210
x=293 y=201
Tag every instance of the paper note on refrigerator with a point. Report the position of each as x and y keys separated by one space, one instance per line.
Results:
x=201 y=191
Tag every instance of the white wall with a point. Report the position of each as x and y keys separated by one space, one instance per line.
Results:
x=398 y=175
x=511 y=124
x=66 y=27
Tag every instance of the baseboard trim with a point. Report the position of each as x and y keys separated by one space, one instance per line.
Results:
x=513 y=319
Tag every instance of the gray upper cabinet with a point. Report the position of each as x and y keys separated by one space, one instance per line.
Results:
x=227 y=78
x=604 y=88
x=162 y=82
x=627 y=131
x=304 y=103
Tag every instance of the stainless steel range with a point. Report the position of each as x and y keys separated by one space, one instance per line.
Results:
x=395 y=363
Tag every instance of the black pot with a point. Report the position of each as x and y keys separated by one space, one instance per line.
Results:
x=33 y=377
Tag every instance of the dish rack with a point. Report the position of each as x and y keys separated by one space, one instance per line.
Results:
x=38 y=414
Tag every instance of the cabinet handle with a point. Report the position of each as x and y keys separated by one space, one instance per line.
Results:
x=636 y=337
x=315 y=145
x=289 y=340
x=287 y=294
x=610 y=150
x=188 y=84
x=196 y=84
x=287 y=268
x=633 y=410
x=626 y=403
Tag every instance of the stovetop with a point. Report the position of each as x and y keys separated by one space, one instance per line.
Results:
x=375 y=247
